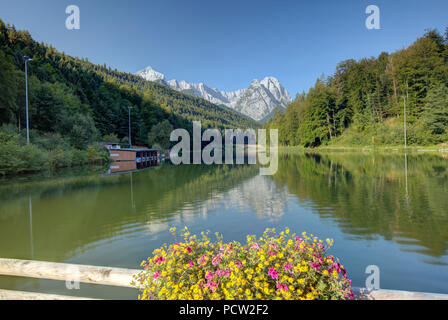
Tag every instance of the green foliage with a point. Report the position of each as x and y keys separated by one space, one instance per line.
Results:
x=111 y=138
x=160 y=134
x=157 y=146
x=7 y=88
x=96 y=154
x=58 y=158
x=45 y=152
x=362 y=103
x=79 y=157
x=436 y=111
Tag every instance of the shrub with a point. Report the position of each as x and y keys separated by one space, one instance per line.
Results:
x=10 y=163
x=79 y=157
x=16 y=158
x=96 y=154
x=34 y=159
x=48 y=141
x=59 y=158
x=274 y=266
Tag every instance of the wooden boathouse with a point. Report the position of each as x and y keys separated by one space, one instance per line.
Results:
x=133 y=158
x=142 y=156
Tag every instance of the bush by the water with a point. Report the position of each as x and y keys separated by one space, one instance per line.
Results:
x=274 y=266
x=46 y=151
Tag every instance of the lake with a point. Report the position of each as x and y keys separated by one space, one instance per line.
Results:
x=388 y=210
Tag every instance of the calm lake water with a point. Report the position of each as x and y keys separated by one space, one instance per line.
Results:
x=385 y=210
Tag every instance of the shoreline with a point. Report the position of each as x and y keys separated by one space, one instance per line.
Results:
x=400 y=149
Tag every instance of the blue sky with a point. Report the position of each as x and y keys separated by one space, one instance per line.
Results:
x=227 y=44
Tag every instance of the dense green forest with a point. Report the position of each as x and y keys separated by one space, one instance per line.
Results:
x=362 y=103
x=74 y=103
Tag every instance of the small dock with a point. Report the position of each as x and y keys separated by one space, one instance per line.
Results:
x=120 y=277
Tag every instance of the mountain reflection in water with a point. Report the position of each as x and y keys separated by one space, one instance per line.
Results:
x=388 y=210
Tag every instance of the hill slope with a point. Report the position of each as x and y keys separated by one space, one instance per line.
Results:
x=85 y=101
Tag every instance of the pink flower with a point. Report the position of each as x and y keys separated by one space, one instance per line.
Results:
x=288 y=266
x=211 y=285
x=225 y=273
x=273 y=273
x=201 y=260
x=255 y=245
x=209 y=275
x=281 y=286
x=159 y=259
x=189 y=250
x=157 y=275
x=216 y=259
x=315 y=265
x=191 y=264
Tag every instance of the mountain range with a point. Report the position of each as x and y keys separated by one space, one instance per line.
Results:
x=259 y=101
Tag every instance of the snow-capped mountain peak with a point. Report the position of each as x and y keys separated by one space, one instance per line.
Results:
x=150 y=74
x=258 y=101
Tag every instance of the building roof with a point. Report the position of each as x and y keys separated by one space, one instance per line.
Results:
x=128 y=149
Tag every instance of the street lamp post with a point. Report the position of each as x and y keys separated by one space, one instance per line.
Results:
x=27 y=59
x=130 y=143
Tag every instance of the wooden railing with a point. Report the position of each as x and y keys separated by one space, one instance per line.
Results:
x=123 y=278
x=108 y=276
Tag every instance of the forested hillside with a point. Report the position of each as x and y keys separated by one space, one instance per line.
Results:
x=74 y=103
x=69 y=94
x=362 y=103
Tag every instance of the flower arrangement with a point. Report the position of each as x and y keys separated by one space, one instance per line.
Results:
x=274 y=266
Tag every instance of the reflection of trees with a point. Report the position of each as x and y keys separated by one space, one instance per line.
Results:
x=366 y=194
x=72 y=215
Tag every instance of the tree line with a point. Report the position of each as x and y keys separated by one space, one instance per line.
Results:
x=362 y=103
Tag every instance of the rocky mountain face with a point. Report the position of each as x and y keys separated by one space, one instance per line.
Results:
x=258 y=101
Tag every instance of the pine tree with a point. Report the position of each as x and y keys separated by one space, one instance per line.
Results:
x=436 y=110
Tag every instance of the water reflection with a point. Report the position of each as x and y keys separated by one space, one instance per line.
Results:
x=132 y=192
x=397 y=203
x=363 y=194
x=31 y=227
x=257 y=194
